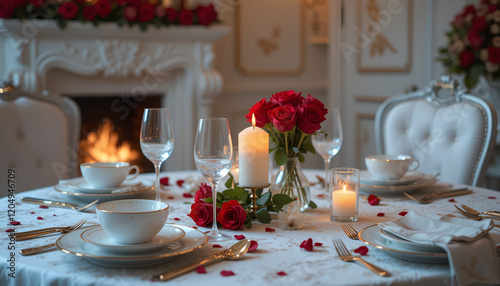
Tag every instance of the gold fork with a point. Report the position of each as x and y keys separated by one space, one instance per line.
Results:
x=345 y=255
x=429 y=198
x=474 y=217
x=349 y=231
x=473 y=212
x=38 y=232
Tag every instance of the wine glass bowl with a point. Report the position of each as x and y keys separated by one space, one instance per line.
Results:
x=157 y=139
x=213 y=156
x=329 y=144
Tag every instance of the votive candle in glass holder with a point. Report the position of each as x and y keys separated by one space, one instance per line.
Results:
x=344 y=194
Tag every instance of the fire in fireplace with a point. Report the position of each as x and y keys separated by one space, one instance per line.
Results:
x=110 y=133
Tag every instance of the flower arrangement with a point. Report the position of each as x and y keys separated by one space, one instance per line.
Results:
x=143 y=13
x=234 y=208
x=474 y=43
x=290 y=120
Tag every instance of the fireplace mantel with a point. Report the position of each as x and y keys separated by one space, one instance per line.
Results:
x=176 y=62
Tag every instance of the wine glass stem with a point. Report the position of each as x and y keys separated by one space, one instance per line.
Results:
x=214 y=231
x=327 y=168
x=157 y=183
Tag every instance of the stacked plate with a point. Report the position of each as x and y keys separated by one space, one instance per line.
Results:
x=410 y=182
x=401 y=248
x=79 y=189
x=98 y=248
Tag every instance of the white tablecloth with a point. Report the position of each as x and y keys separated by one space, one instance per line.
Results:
x=277 y=251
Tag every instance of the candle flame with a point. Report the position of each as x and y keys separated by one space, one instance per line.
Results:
x=344 y=188
x=253 y=120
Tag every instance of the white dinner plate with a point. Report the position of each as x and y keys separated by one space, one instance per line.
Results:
x=410 y=245
x=366 y=178
x=72 y=243
x=371 y=236
x=145 y=186
x=424 y=181
x=99 y=237
x=80 y=185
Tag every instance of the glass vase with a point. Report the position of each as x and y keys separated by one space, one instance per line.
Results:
x=291 y=181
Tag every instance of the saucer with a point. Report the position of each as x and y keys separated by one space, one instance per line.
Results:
x=80 y=185
x=99 y=237
x=72 y=243
x=424 y=181
x=366 y=178
x=135 y=192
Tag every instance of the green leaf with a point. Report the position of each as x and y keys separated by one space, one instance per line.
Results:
x=62 y=23
x=229 y=182
x=312 y=205
x=280 y=157
x=309 y=147
x=186 y=203
x=259 y=192
x=302 y=159
x=235 y=194
x=264 y=199
x=263 y=216
x=281 y=199
x=208 y=200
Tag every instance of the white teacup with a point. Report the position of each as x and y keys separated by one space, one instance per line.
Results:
x=108 y=174
x=132 y=221
x=390 y=167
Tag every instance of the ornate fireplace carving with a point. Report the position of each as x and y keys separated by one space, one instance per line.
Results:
x=86 y=61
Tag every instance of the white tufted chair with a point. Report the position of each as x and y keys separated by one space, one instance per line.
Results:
x=38 y=141
x=451 y=133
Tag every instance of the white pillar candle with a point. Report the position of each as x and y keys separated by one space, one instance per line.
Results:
x=253 y=150
x=344 y=203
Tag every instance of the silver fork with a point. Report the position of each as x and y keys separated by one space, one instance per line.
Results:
x=38 y=249
x=345 y=255
x=43 y=202
x=38 y=232
x=349 y=231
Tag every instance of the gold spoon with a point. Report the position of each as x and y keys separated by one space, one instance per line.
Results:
x=233 y=253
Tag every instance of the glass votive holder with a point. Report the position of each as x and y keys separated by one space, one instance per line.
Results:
x=344 y=194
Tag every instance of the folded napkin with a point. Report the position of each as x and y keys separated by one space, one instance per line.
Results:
x=471 y=251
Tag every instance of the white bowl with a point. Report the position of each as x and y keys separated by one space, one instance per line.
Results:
x=132 y=221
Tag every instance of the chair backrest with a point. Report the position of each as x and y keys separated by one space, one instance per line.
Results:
x=450 y=132
x=38 y=141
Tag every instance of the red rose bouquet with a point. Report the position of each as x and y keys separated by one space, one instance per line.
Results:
x=124 y=12
x=290 y=120
x=474 y=43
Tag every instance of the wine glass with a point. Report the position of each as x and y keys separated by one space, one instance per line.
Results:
x=213 y=156
x=329 y=145
x=157 y=139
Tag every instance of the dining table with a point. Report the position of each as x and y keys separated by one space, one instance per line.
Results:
x=278 y=259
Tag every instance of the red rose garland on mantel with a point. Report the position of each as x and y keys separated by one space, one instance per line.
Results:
x=123 y=12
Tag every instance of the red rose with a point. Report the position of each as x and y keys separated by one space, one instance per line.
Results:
x=6 y=8
x=470 y=9
x=103 y=8
x=121 y=2
x=285 y=97
x=311 y=100
x=171 y=14
x=147 y=12
x=283 y=117
x=479 y=24
x=309 y=118
x=206 y=15
x=160 y=11
x=459 y=20
x=260 y=109
x=492 y=8
x=202 y=213
x=18 y=3
x=89 y=12
x=475 y=39
x=37 y=3
x=79 y=1
x=130 y=13
x=232 y=215
x=466 y=59
x=185 y=17
x=494 y=55
x=205 y=191
x=68 y=10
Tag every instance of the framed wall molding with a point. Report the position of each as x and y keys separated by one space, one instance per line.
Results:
x=384 y=35
x=365 y=137
x=268 y=41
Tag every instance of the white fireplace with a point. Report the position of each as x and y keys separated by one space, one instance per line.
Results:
x=82 y=60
